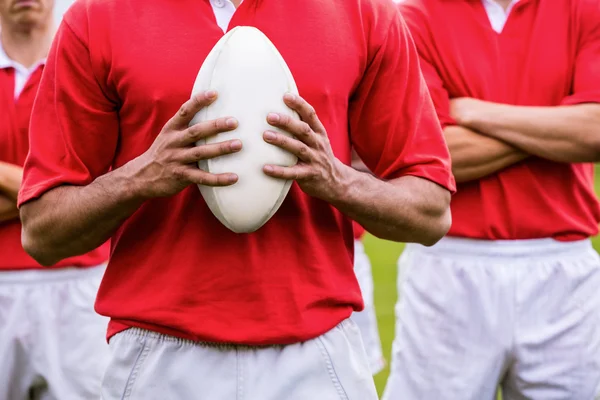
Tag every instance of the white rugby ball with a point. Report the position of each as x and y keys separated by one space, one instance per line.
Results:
x=251 y=78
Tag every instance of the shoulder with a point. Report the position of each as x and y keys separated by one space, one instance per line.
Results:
x=86 y=17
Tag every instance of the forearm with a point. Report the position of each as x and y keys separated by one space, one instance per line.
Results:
x=10 y=179
x=564 y=134
x=8 y=209
x=475 y=156
x=407 y=209
x=73 y=220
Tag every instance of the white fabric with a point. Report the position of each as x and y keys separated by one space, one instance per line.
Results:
x=366 y=320
x=150 y=366
x=22 y=73
x=475 y=314
x=52 y=342
x=497 y=14
x=224 y=10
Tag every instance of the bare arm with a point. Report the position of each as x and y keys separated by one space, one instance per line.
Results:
x=475 y=156
x=407 y=209
x=8 y=209
x=72 y=220
x=10 y=179
x=569 y=134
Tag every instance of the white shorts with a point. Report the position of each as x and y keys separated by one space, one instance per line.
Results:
x=52 y=342
x=367 y=319
x=473 y=315
x=151 y=366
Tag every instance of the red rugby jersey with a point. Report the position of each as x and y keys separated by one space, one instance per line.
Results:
x=547 y=55
x=14 y=144
x=109 y=88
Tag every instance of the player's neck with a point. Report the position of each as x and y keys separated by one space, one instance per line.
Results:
x=236 y=3
x=503 y=3
x=26 y=46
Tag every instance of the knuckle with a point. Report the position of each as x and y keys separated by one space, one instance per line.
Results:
x=199 y=153
x=180 y=174
x=305 y=129
x=191 y=134
x=284 y=119
x=184 y=111
x=224 y=147
x=303 y=151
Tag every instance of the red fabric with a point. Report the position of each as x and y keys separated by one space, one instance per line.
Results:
x=359 y=231
x=107 y=92
x=14 y=144
x=548 y=54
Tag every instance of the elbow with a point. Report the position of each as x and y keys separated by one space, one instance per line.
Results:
x=437 y=219
x=594 y=146
x=439 y=227
x=33 y=246
x=34 y=242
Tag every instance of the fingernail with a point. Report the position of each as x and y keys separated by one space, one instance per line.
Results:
x=236 y=145
x=231 y=122
x=269 y=135
x=289 y=97
x=268 y=168
x=232 y=178
x=272 y=117
x=211 y=94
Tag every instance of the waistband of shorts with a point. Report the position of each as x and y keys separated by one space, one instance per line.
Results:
x=547 y=247
x=141 y=333
x=51 y=275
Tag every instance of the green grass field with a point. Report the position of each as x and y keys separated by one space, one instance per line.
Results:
x=384 y=256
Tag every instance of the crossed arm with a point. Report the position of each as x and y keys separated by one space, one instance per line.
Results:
x=10 y=181
x=490 y=136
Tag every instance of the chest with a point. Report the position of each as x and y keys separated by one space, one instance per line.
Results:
x=154 y=74
x=530 y=61
x=15 y=115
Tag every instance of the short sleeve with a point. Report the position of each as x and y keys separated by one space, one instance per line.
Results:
x=418 y=27
x=74 y=127
x=586 y=79
x=393 y=124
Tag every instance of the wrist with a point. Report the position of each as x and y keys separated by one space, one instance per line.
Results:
x=125 y=184
x=343 y=183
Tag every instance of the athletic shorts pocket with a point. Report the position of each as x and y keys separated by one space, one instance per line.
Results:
x=128 y=355
x=344 y=354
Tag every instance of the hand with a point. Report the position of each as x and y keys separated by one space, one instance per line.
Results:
x=170 y=164
x=318 y=172
x=466 y=110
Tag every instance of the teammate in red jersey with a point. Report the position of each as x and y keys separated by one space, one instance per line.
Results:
x=197 y=311
x=511 y=295
x=52 y=342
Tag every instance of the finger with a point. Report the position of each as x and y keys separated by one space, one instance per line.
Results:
x=300 y=129
x=288 y=173
x=306 y=111
x=294 y=146
x=206 y=129
x=189 y=109
x=207 y=151
x=200 y=177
